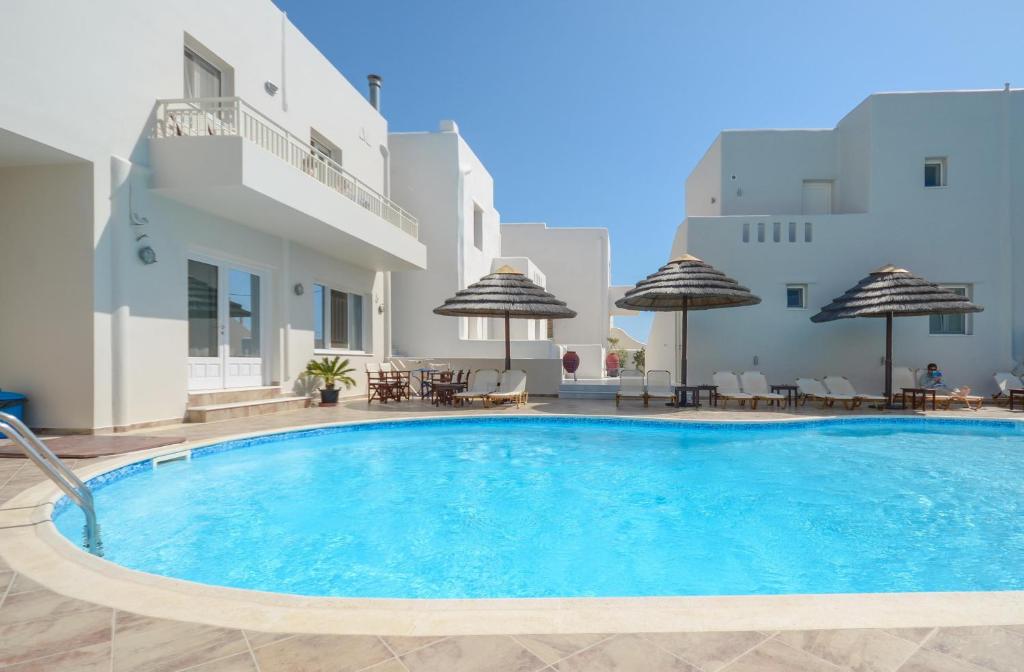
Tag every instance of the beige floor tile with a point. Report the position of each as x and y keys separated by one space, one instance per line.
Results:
x=1019 y=629
x=552 y=648
x=40 y=604
x=144 y=644
x=95 y=658
x=624 y=652
x=916 y=635
x=6 y=578
x=327 y=653
x=473 y=654
x=258 y=639
x=23 y=584
x=858 y=650
x=403 y=645
x=392 y=665
x=710 y=651
x=27 y=640
x=774 y=656
x=240 y=662
x=991 y=647
x=929 y=661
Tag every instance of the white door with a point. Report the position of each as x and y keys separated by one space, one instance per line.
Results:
x=817 y=197
x=225 y=307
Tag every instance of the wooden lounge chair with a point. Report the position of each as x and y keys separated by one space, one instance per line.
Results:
x=841 y=386
x=631 y=386
x=754 y=383
x=511 y=388
x=809 y=388
x=485 y=382
x=973 y=402
x=659 y=386
x=728 y=384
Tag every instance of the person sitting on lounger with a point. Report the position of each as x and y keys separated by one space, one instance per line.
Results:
x=932 y=379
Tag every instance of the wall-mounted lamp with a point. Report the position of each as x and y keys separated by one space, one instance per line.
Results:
x=299 y=289
x=270 y=87
x=147 y=255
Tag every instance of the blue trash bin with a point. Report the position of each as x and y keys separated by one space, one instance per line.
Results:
x=14 y=404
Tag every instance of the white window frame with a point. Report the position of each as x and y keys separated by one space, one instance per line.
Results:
x=365 y=334
x=968 y=328
x=804 y=290
x=943 y=165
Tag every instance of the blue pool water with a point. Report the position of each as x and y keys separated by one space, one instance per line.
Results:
x=528 y=507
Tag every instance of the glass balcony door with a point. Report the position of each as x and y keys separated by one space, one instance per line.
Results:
x=225 y=326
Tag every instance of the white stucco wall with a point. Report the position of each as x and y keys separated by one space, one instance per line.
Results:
x=94 y=98
x=965 y=233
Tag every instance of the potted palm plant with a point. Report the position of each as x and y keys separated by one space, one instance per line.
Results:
x=330 y=371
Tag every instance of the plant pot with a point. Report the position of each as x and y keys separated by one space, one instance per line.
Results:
x=571 y=362
x=611 y=363
x=329 y=396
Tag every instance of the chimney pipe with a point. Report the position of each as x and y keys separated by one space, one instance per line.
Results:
x=375 y=82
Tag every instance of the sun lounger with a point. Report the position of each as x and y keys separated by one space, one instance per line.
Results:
x=659 y=386
x=511 y=388
x=631 y=386
x=809 y=388
x=945 y=400
x=1005 y=382
x=485 y=382
x=841 y=386
x=728 y=384
x=754 y=383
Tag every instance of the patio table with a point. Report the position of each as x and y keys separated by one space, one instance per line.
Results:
x=444 y=393
x=1013 y=396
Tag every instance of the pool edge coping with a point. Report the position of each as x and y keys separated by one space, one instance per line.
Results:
x=44 y=555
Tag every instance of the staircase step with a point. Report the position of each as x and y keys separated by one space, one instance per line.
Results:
x=244 y=409
x=232 y=395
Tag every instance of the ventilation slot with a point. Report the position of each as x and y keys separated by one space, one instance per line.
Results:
x=182 y=456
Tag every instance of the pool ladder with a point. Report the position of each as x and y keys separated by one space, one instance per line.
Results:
x=58 y=472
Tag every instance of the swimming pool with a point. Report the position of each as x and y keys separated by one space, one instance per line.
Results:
x=576 y=507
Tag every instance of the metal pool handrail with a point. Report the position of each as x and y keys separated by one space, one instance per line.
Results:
x=58 y=472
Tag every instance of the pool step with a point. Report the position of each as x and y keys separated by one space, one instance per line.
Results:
x=209 y=397
x=245 y=408
x=588 y=389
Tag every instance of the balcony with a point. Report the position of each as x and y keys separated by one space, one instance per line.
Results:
x=223 y=156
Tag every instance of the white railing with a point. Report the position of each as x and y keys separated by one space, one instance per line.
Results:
x=195 y=117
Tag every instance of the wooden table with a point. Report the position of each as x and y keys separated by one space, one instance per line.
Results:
x=688 y=396
x=1014 y=394
x=916 y=393
x=792 y=393
x=444 y=393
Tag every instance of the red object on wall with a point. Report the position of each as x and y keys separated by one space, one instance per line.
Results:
x=571 y=362
x=611 y=362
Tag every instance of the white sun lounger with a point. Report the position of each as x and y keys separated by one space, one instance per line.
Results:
x=728 y=384
x=659 y=386
x=1006 y=381
x=809 y=388
x=631 y=386
x=485 y=382
x=756 y=384
x=841 y=386
x=511 y=388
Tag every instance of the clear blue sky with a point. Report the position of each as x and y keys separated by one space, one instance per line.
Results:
x=593 y=113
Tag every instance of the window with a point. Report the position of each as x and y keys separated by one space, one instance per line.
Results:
x=935 y=172
x=337 y=319
x=796 y=296
x=320 y=148
x=951 y=323
x=478 y=227
x=202 y=78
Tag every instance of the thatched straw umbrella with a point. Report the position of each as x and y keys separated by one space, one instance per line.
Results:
x=505 y=293
x=894 y=292
x=686 y=283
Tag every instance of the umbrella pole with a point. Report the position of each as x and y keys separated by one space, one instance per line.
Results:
x=682 y=363
x=508 y=346
x=888 y=359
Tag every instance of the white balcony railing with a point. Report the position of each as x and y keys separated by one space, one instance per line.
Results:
x=196 y=117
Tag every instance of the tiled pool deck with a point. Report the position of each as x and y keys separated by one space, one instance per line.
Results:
x=44 y=630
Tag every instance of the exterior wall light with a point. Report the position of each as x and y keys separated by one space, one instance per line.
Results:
x=299 y=289
x=270 y=88
x=147 y=255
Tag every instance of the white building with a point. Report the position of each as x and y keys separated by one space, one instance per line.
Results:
x=215 y=140
x=933 y=182
x=439 y=177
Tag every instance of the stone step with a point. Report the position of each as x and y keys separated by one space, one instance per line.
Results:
x=232 y=395
x=244 y=409
x=587 y=391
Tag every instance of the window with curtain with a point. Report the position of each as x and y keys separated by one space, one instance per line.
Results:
x=202 y=78
x=337 y=319
x=951 y=323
